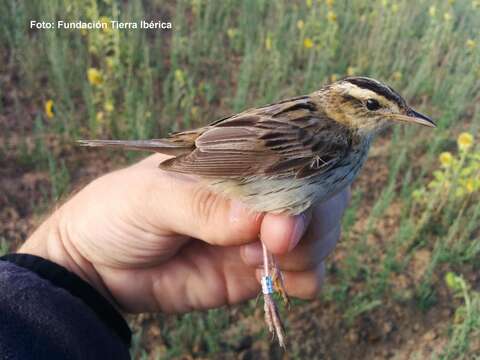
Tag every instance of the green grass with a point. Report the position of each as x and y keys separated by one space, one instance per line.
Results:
x=4 y=247
x=224 y=56
x=466 y=326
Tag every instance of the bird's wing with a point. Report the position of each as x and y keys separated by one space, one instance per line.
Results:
x=287 y=138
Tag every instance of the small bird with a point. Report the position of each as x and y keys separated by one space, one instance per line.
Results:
x=286 y=156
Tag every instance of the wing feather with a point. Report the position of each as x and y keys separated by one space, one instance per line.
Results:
x=287 y=138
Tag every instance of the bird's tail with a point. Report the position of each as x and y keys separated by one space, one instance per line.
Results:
x=155 y=145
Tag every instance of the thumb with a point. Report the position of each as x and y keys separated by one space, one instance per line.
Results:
x=221 y=221
x=184 y=205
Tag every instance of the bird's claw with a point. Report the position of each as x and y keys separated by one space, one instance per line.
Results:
x=279 y=286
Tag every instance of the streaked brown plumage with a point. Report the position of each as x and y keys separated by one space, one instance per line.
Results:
x=285 y=156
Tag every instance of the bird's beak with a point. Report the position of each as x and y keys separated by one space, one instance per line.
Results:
x=421 y=119
x=414 y=117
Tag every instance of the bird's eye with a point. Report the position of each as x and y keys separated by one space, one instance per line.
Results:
x=372 y=104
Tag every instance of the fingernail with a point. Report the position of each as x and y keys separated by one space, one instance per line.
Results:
x=253 y=254
x=298 y=230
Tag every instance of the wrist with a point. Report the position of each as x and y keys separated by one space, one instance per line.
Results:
x=52 y=241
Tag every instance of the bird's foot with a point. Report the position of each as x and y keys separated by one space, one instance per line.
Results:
x=272 y=318
x=279 y=285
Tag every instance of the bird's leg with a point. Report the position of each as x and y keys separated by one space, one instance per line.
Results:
x=271 y=312
x=278 y=283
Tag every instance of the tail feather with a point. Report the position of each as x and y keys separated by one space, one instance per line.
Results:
x=156 y=145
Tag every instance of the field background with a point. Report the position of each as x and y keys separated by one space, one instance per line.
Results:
x=404 y=282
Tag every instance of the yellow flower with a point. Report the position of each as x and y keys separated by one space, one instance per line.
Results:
x=108 y=106
x=432 y=10
x=309 y=3
x=331 y=16
x=94 y=76
x=231 y=33
x=397 y=76
x=470 y=44
x=109 y=62
x=49 y=109
x=446 y=159
x=329 y=2
x=179 y=77
x=196 y=4
x=454 y=281
x=447 y=16
x=194 y=111
x=351 y=71
x=469 y=186
x=308 y=43
x=268 y=42
x=300 y=24
x=416 y=194
x=465 y=141
x=333 y=77
x=99 y=117
x=108 y=25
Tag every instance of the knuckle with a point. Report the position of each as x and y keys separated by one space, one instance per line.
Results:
x=205 y=206
x=308 y=255
x=313 y=290
x=308 y=258
x=314 y=285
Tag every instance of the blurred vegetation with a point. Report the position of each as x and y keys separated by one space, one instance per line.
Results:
x=224 y=56
x=3 y=246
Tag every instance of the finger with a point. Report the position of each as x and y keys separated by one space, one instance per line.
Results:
x=201 y=277
x=306 y=256
x=304 y=285
x=309 y=254
x=281 y=233
x=184 y=205
x=329 y=213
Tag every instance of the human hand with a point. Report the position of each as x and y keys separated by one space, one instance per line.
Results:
x=151 y=240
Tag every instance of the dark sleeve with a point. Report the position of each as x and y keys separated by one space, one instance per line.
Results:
x=47 y=312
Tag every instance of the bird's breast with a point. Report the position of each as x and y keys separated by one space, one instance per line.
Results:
x=290 y=194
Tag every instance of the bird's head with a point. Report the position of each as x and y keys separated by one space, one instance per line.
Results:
x=367 y=105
